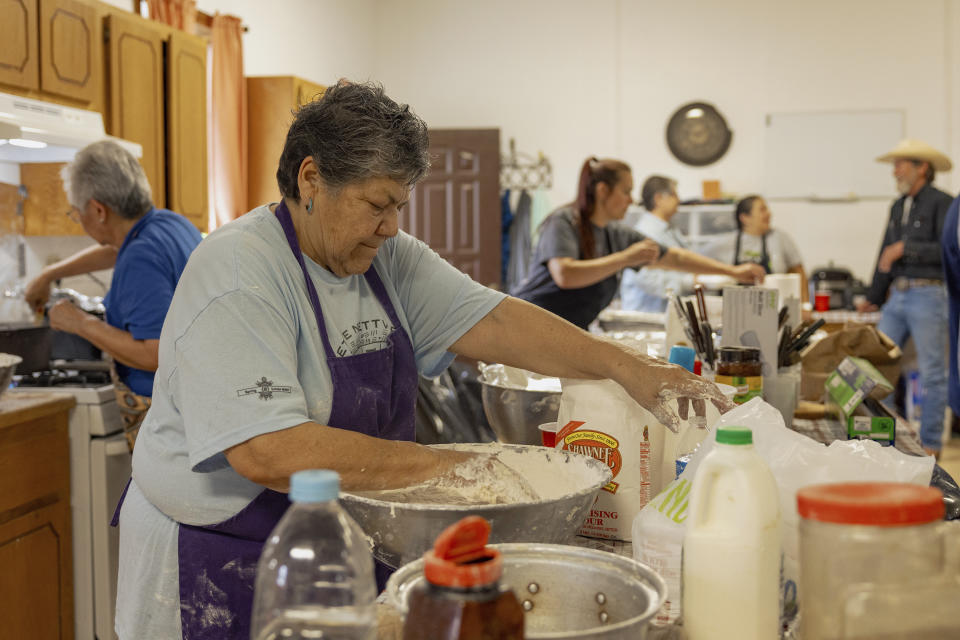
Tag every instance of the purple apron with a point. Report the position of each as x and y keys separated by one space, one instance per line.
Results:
x=373 y=393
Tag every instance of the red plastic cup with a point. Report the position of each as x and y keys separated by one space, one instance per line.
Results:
x=821 y=301
x=548 y=434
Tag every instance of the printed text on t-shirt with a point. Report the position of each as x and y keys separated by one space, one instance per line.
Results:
x=364 y=336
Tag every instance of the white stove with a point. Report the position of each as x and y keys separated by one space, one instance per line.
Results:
x=99 y=470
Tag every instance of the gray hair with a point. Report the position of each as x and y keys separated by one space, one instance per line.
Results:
x=653 y=186
x=106 y=172
x=354 y=132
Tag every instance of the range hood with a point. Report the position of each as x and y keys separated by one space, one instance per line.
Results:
x=37 y=131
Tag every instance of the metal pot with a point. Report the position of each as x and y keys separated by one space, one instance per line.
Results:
x=29 y=341
x=567 y=592
x=69 y=346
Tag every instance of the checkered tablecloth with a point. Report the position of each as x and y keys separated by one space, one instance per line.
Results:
x=827 y=430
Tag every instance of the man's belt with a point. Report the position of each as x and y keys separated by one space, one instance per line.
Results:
x=902 y=284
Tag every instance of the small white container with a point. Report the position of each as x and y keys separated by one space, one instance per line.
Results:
x=731 y=550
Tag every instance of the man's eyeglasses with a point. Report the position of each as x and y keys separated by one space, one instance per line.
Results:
x=74 y=214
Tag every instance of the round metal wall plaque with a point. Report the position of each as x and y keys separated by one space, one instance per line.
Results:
x=698 y=135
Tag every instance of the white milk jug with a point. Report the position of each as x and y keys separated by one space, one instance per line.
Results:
x=731 y=550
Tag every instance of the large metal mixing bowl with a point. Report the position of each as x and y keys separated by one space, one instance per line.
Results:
x=515 y=414
x=8 y=366
x=568 y=483
x=572 y=592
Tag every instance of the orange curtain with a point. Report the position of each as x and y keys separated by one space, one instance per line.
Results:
x=181 y=14
x=227 y=121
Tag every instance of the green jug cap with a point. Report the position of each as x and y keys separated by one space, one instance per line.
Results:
x=734 y=435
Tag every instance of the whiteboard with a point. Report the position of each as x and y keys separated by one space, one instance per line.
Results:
x=830 y=154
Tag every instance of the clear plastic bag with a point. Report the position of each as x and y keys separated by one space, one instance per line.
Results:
x=796 y=461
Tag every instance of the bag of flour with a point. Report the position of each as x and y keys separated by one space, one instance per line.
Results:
x=599 y=419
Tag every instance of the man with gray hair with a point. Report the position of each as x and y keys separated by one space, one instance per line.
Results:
x=147 y=249
x=908 y=281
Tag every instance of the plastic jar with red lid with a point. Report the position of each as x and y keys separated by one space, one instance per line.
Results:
x=873 y=562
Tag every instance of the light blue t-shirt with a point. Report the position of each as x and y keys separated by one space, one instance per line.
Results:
x=240 y=356
x=646 y=289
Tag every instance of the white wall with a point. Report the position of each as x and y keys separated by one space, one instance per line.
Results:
x=571 y=79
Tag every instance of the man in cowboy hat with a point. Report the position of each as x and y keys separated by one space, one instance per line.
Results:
x=910 y=269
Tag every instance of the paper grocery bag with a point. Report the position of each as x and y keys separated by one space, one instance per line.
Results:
x=855 y=339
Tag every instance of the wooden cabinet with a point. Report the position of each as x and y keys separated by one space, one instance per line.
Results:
x=187 y=127
x=71 y=50
x=136 y=113
x=45 y=205
x=270 y=105
x=148 y=79
x=308 y=91
x=19 y=48
x=10 y=219
x=36 y=583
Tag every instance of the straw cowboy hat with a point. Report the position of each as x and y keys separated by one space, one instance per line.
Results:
x=909 y=149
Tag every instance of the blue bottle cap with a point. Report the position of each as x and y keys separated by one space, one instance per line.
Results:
x=314 y=485
x=683 y=356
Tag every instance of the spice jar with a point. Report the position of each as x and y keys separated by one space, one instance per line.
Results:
x=874 y=563
x=740 y=367
x=461 y=598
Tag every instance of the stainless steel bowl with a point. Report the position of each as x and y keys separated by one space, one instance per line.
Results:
x=568 y=482
x=8 y=366
x=515 y=414
x=570 y=592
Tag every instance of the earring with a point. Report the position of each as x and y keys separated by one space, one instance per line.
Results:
x=310 y=206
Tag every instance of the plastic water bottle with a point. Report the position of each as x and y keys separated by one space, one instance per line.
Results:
x=696 y=428
x=694 y=432
x=731 y=550
x=315 y=576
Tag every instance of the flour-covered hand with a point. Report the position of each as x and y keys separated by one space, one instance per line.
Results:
x=656 y=383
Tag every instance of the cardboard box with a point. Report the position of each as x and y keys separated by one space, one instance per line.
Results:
x=853 y=380
x=882 y=429
x=821 y=358
x=856 y=387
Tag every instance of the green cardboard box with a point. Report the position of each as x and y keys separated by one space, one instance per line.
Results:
x=856 y=386
x=883 y=429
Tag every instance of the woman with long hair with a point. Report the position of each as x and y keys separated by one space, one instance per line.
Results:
x=583 y=248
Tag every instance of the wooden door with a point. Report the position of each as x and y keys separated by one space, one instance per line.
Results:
x=187 y=128
x=71 y=50
x=136 y=95
x=19 y=49
x=456 y=208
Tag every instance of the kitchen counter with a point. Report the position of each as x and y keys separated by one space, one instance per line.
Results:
x=23 y=406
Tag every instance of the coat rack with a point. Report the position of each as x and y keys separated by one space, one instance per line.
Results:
x=523 y=171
